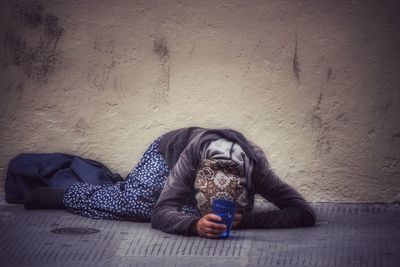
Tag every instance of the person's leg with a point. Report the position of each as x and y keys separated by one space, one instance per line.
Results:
x=132 y=199
x=149 y=178
x=45 y=198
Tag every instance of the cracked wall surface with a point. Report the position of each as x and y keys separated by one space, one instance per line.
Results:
x=315 y=84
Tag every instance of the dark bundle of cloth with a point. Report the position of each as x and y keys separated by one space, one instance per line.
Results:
x=29 y=171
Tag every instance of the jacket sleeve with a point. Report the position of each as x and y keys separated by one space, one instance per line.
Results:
x=293 y=210
x=166 y=215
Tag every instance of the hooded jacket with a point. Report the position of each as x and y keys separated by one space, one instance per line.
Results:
x=183 y=150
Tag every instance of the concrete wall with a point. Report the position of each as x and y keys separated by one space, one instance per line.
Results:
x=314 y=83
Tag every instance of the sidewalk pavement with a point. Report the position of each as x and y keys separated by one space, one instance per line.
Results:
x=345 y=235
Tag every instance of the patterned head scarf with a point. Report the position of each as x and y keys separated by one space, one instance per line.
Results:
x=220 y=179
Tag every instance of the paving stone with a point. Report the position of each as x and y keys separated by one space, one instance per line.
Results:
x=345 y=235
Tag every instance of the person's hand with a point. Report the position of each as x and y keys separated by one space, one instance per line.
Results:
x=209 y=227
x=236 y=220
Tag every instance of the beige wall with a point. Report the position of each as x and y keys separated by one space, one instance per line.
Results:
x=314 y=83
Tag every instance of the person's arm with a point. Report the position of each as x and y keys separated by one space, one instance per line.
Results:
x=179 y=185
x=166 y=215
x=293 y=210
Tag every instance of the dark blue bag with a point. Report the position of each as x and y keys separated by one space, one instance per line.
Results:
x=33 y=170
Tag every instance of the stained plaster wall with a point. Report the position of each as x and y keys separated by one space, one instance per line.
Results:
x=314 y=83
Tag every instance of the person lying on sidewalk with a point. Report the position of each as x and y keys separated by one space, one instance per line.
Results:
x=175 y=182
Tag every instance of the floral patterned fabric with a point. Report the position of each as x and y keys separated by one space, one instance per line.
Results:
x=132 y=199
x=219 y=179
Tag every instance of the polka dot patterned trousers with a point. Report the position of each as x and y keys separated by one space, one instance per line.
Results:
x=131 y=199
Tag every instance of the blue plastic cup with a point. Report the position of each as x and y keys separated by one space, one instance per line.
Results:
x=225 y=209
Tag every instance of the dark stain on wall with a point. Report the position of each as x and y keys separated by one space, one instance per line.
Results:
x=322 y=129
x=107 y=59
x=30 y=14
x=81 y=127
x=161 y=49
x=51 y=27
x=329 y=74
x=161 y=90
x=31 y=41
x=296 y=63
x=396 y=135
x=321 y=95
x=316 y=122
x=342 y=118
